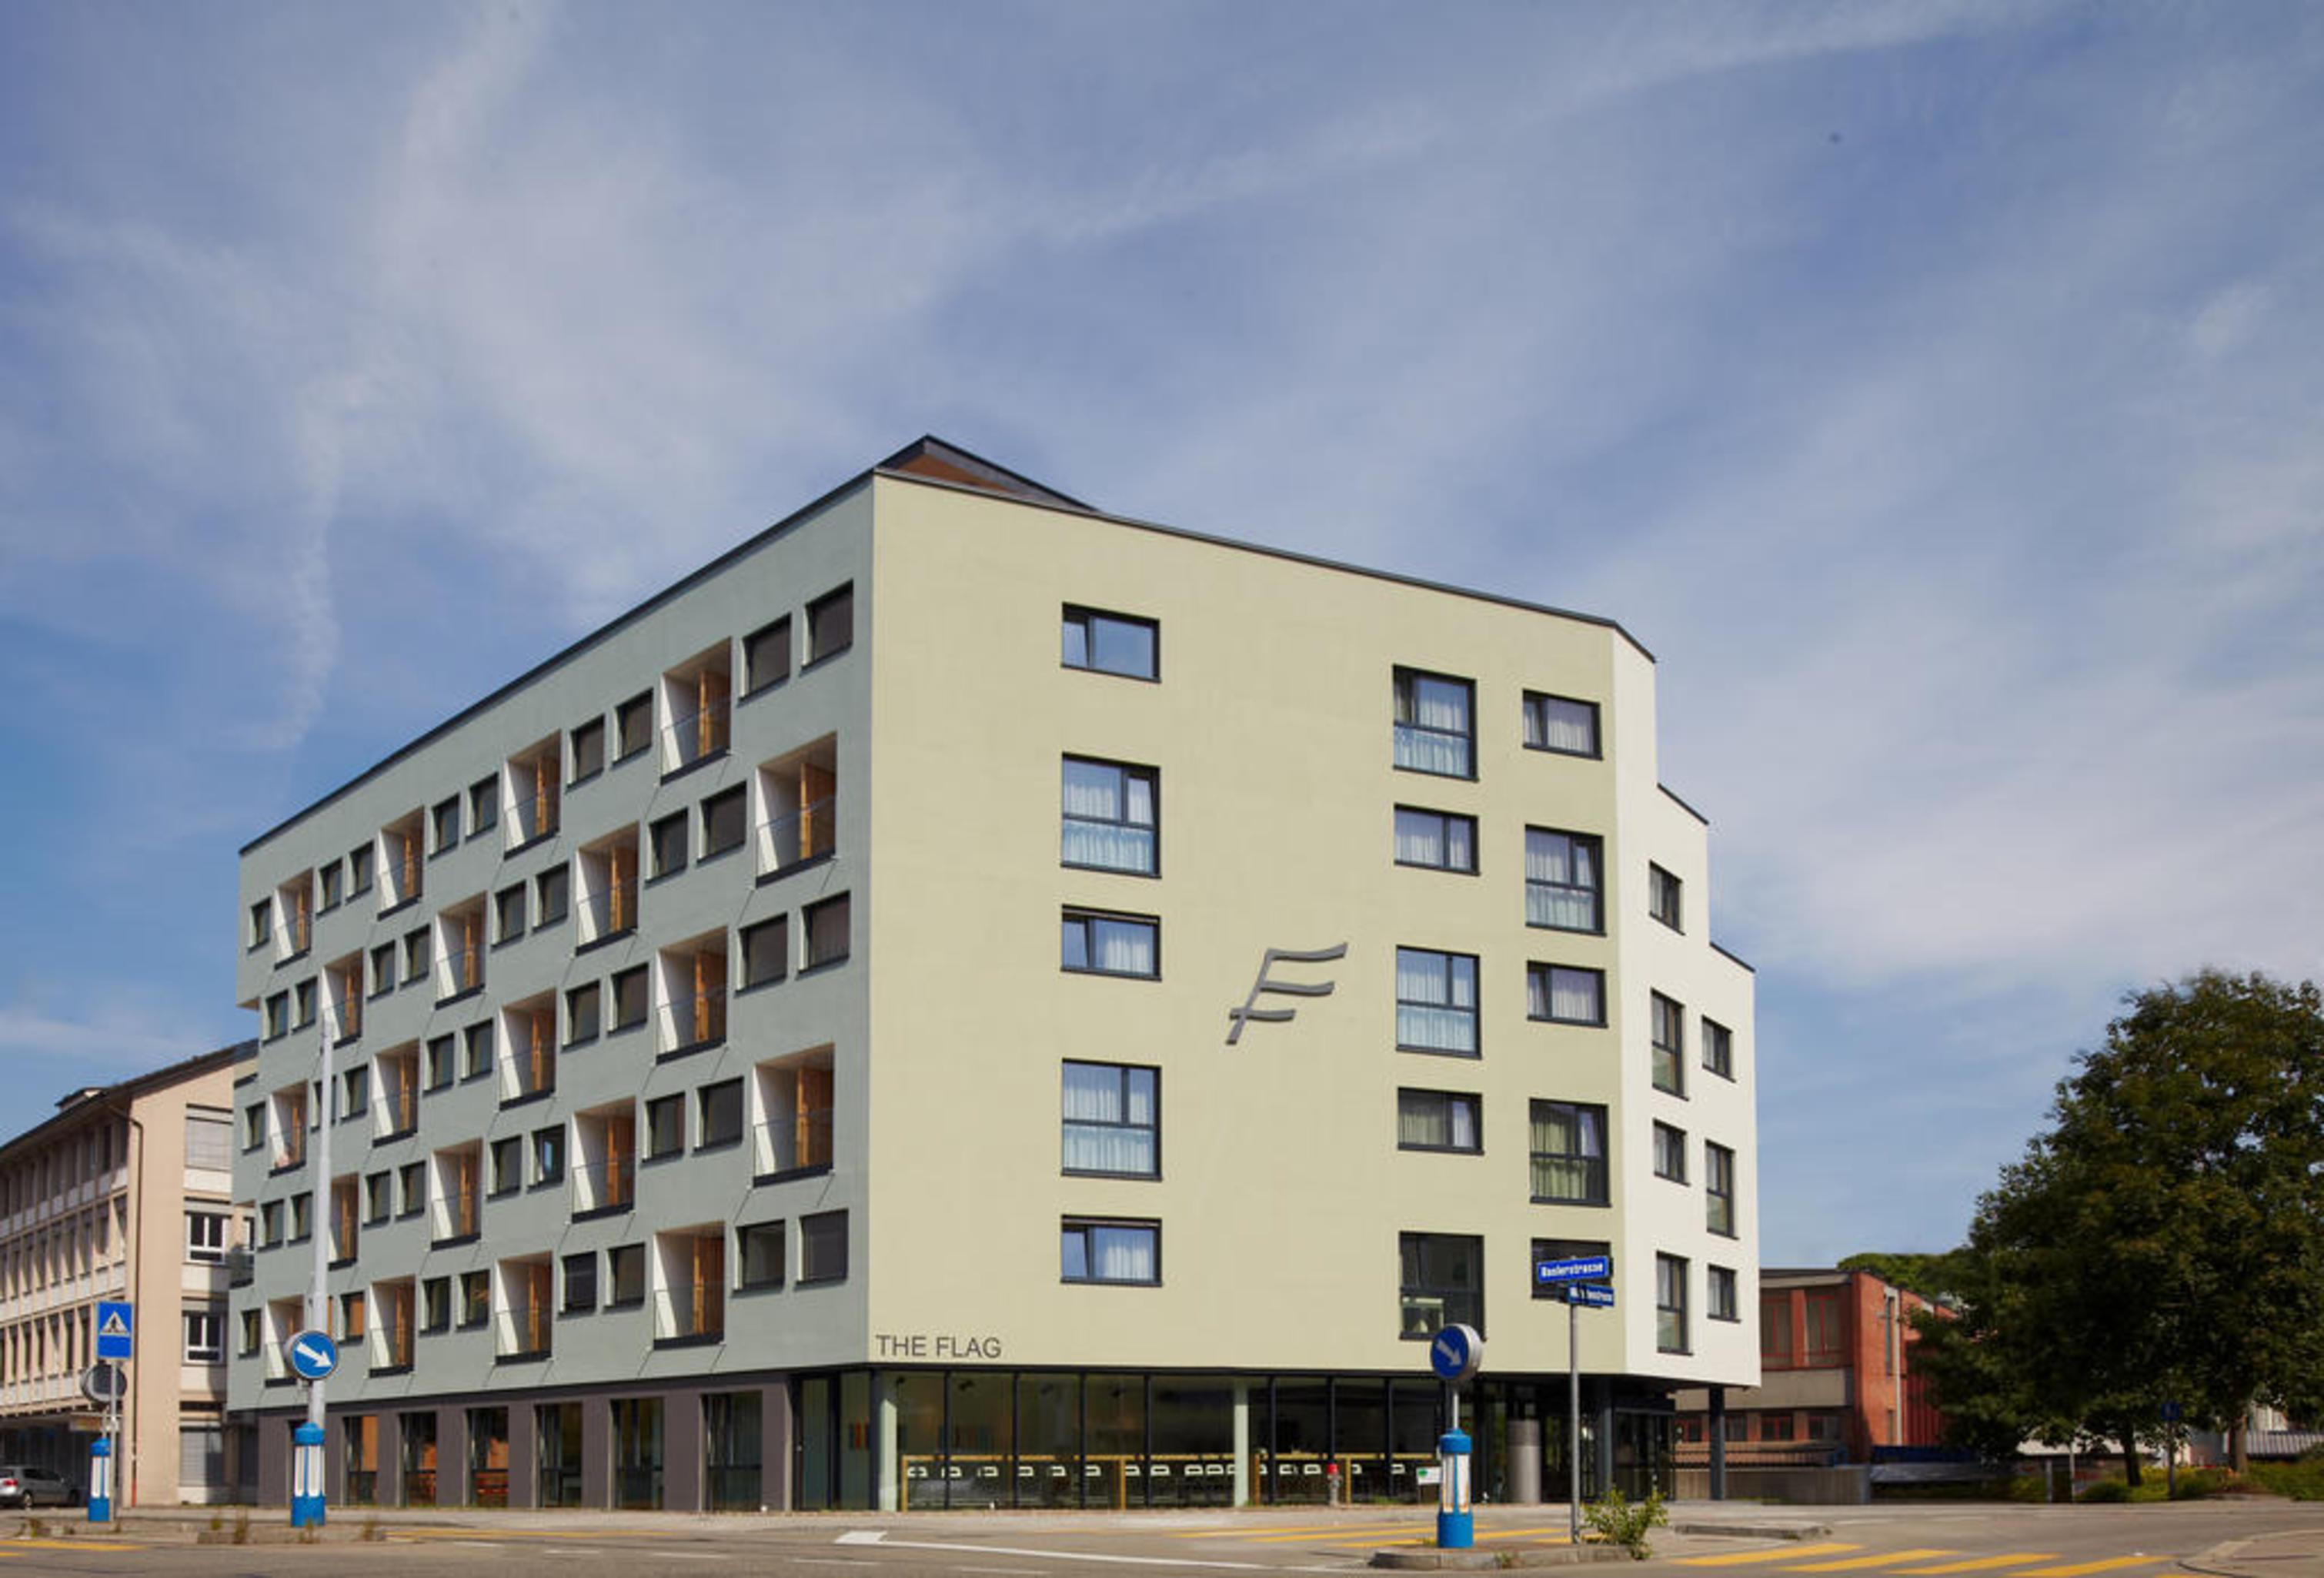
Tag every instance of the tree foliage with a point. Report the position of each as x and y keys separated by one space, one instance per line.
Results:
x=2163 y=1242
x=1933 y=1276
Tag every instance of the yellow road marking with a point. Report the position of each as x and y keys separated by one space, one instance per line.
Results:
x=1258 y=1533
x=71 y=1545
x=1986 y=1563
x=1849 y=1563
x=2076 y=1569
x=489 y=1533
x=1775 y=1556
x=1349 y=1535
x=1524 y=1533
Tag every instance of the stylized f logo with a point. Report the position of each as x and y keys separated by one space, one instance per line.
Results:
x=1238 y=1017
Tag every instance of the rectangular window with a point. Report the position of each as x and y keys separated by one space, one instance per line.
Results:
x=1719 y=1188
x=1775 y=1332
x=1719 y=1290
x=1113 y=1115
x=1435 y=1001
x=411 y=1188
x=1110 y=823
x=269 y=1224
x=588 y=749
x=1439 y=840
x=830 y=624
x=1670 y=1304
x=634 y=726
x=250 y=1327
x=1560 y=723
x=508 y=913
x=1442 y=1282
x=415 y=955
x=440 y=1065
x=445 y=823
x=1823 y=1329
x=302 y=1004
x=1111 y=944
x=1111 y=643
x=723 y=816
x=254 y=1126
x=383 y=969
x=1717 y=1049
x=1565 y=1249
x=549 y=894
x=666 y=841
x=1435 y=723
x=278 y=1015
x=1565 y=995
x=483 y=805
x=476 y=1297
x=1774 y=1427
x=355 y=1093
x=822 y=1246
x=508 y=1164
x=205 y=1337
x=625 y=1276
x=549 y=1155
x=334 y=885
x=767 y=656
x=1112 y=1251
x=359 y=870
x=719 y=1114
x=476 y=1050
x=826 y=922
x=435 y=1304
x=580 y=1283
x=1670 y=1153
x=1668 y=1031
x=1664 y=897
x=630 y=998
x=1563 y=890
x=581 y=1014
x=379 y=1197
x=351 y=1317
x=766 y=951
x=206 y=1236
x=1569 y=1154
x=665 y=1126
x=1437 y=1121
x=262 y=922
x=759 y=1246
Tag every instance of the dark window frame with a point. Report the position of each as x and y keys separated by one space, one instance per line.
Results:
x=1408 y=733
x=1085 y=1227
x=1087 y=920
x=1474 y=1102
x=1086 y=619
x=1537 y=717
x=1596 y=1170
x=1445 y=819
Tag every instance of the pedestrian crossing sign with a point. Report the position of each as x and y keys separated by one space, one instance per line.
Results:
x=115 y=1323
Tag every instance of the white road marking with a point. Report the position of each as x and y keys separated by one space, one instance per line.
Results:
x=874 y=1537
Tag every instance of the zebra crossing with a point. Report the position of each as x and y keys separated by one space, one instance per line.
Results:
x=1922 y=1561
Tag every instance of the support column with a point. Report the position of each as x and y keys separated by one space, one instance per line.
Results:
x=596 y=1452
x=684 y=1454
x=1719 y=1443
x=1243 y=1444
x=1605 y=1453
x=524 y=1455
x=777 y=1431
x=452 y=1487
x=888 y=1494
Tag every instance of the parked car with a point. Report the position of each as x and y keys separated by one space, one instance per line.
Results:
x=22 y=1486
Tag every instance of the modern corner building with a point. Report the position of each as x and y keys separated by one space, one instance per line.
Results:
x=125 y=1195
x=970 y=1001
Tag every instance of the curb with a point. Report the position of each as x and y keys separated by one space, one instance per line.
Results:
x=1472 y=1559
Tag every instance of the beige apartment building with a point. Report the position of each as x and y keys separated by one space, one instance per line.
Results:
x=125 y=1195
x=826 y=1038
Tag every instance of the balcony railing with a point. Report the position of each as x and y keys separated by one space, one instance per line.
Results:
x=603 y=1186
x=533 y=816
x=807 y=834
x=527 y=1328
x=611 y=910
x=702 y=1017
x=700 y=733
x=796 y=1142
x=392 y=1340
x=696 y=1311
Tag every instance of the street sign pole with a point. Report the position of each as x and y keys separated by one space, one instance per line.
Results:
x=1573 y=1423
x=307 y=1511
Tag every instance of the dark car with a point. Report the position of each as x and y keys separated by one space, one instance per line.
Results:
x=31 y=1487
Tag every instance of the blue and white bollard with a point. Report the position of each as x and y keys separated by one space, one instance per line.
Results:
x=1456 y=1529
x=100 y=1481
x=307 y=1477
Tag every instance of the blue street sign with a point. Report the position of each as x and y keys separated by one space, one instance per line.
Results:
x=313 y=1355
x=1585 y=1269
x=1596 y=1295
x=117 y=1324
x=1455 y=1353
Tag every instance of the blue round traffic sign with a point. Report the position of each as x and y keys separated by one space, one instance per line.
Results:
x=313 y=1355
x=1455 y=1352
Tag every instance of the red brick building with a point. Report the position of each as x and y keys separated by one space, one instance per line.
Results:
x=1837 y=1376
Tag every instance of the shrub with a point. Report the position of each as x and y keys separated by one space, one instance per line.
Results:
x=1622 y=1522
x=2105 y=1490
x=2302 y=1481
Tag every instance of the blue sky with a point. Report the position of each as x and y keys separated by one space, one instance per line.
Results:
x=1934 y=388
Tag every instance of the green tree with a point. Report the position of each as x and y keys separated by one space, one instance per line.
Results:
x=1930 y=1276
x=2163 y=1242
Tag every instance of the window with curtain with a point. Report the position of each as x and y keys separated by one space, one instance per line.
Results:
x=1442 y=1282
x=1719 y=1290
x=1563 y=995
x=1717 y=1049
x=1670 y=1304
x=1113 y=1119
x=1668 y=1029
x=1569 y=1153
x=1436 y=730
x=1110 y=823
x=1436 y=1121
x=1561 y=724
x=1564 y=884
x=1110 y=1252
x=1670 y=1153
x=1099 y=944
x=1666 y=897
x=1435 y=1001
x=1439 y=840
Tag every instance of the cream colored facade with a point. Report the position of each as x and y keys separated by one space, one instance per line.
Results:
x=887 y=1210
x=126 y=1195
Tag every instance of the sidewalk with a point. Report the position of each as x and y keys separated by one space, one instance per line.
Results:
x=2290 y=1554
